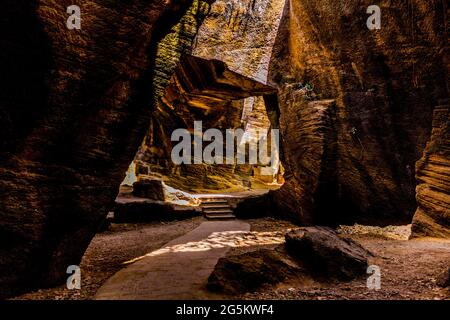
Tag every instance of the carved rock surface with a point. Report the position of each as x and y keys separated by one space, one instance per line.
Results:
x=385 y=84
x=199 y=90
x=326 y=254
x=150 y=189
x=240 y=33
x=444 y=279
x=309 y=145
x=75 y=106
x=432 y=217
x=249 y=271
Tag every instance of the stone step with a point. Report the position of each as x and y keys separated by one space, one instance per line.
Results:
x=218 y=202
x=220 y=216
x=217 y=211
x=216 y=206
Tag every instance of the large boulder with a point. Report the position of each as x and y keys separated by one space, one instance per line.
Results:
x=326 y=254
x=249 y=271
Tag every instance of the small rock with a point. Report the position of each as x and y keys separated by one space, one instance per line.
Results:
x=444 y=279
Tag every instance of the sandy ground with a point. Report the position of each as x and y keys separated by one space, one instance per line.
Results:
x=408 y=268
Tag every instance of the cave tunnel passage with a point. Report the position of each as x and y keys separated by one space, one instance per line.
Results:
x=207 y=91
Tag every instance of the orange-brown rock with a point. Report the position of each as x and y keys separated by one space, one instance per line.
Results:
x=75 y=106
x=432 y=218
x=309 y=146
x=199 y=90
x=385 y=83
x=240 y=33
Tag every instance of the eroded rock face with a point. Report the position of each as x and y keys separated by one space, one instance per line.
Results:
x=432 y=218
x=249 y=271
x=444 y=279
x=149 y=189
x=240 y=33
x=326 y=254
x=75 y=107
x=309 y=146
x=199 y=90
x=385 y=84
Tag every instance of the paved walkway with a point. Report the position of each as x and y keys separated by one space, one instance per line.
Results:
x=180 y=269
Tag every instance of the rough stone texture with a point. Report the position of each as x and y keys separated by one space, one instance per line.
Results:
x=150 y=189
x=249 y=271
x=145 y=210
x=432 y=217
x=444 y=279
x=240 y=33
x=256 y=206
x=200 y=90
x=326 y=254
x=385 y=84
x=314 y=253
x=75 y=107
x=309 y=146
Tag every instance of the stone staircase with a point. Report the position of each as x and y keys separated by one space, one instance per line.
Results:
x=215 y=208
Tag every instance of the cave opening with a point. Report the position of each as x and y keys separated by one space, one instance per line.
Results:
x=243 y=148
x=219 y=80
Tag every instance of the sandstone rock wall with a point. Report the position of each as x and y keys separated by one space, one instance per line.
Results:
x=75 y=105
x=240 y=33
x=309 y=143
x=432 y=217
x=385 y=83
x=200 y=90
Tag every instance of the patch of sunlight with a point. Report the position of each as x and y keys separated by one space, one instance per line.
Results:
x=130 y=177
x=390 y=232
x=179 y=197
x=218 y=240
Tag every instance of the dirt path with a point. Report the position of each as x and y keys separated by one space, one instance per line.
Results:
x=109 y=250
x=177 y=271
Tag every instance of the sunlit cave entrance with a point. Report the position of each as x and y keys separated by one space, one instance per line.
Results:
x=206 y=93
